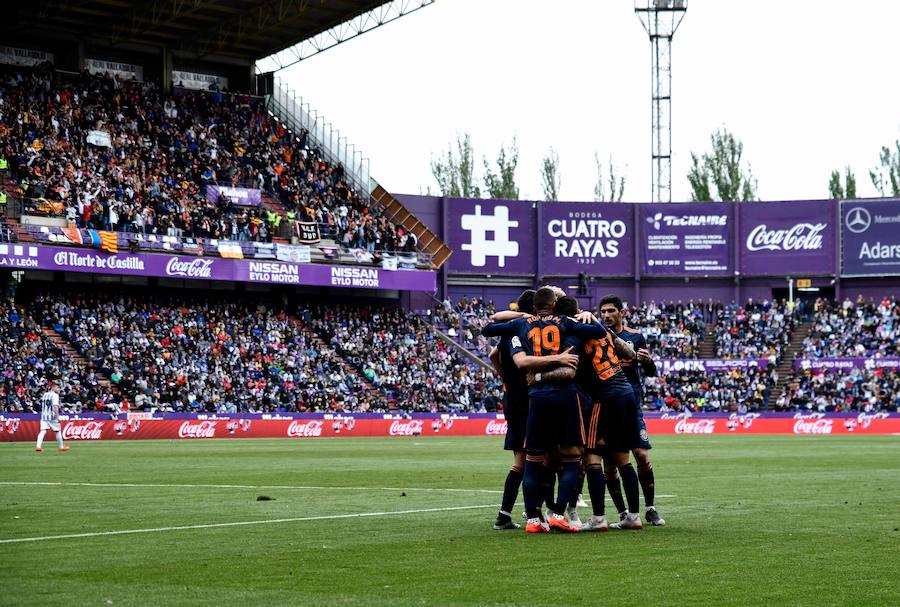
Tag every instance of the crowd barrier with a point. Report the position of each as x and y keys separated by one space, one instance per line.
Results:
x=25 y=427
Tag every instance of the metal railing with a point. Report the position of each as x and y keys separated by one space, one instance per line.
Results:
x=291 y=109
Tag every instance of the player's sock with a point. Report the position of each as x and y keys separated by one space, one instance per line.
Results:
x=511 y=489
x=531 y=486
x=645 y=476
x=632 y=487
x=568 y=481
x=596 y=483
x=579 y=488
x=40 y=440
x=59 y=441
x=614 y=486
x=548 y=484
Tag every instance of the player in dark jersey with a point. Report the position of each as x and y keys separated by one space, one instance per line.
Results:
x=515 y=409
x=554 y=416
x=611 y=312
x=607 y=416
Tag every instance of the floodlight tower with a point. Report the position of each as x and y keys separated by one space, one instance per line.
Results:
x=660 y=19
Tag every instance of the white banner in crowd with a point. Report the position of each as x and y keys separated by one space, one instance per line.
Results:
x=295 y=253
x=100 y=138
x=127 y=71
x=23 y=56
x=195 y=80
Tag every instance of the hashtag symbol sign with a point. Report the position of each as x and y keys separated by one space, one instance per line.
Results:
x=500 y=246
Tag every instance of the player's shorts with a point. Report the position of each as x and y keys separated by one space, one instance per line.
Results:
x=515 y=410
x=642 y=437
x=50 y=426
x=612 y=425
x=554 y=420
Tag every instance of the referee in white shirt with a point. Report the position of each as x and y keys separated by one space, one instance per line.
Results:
x=50 y=417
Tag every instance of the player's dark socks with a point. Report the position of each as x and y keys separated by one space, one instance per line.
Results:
x=596 y=483
x=614 y=487
x=511 y=489
x=645 y=475
x=568 y=481
x=631 y=486
x=579 y=488
x=548 y=484
x=531 y=487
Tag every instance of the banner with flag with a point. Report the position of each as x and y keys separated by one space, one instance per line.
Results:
x=106 y=241
x=73 y=234
x=230 y=250
x=295 y=253
x=192 y=247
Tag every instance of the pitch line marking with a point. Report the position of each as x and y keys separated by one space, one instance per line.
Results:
x=240 y=523
x=212 y=486
x=301 y=487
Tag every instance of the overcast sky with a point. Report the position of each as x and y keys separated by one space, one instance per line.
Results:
x=807 y=85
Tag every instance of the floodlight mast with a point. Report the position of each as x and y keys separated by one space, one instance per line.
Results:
x=660 y=19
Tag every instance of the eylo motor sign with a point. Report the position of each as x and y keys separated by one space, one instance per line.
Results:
x=870 y=237
x=686 y=239
x=592 y=237
x=491 y=236
x=778 y=238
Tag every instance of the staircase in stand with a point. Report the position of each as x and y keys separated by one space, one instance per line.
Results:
x=791 y=352
x=473 y=356
x=708 y=345
x=273 y=204
x=21 y=232
x=372 y=393
x=427 y=241
x=72 y=354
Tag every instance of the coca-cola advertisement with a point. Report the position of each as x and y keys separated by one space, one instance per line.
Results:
x=778 y=239
x=25 y=427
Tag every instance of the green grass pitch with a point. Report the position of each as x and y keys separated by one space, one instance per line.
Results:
x=752 y=520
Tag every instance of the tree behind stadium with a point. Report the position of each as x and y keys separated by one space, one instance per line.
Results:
x=502 y=184
x=886 y=178
x=840 y=191
x=455 y=172
x=718 y=175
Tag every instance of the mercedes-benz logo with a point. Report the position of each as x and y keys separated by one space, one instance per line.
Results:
x=858 y=220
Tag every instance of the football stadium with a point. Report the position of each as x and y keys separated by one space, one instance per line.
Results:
x=237 y=369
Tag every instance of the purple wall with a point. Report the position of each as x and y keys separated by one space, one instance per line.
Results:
x=426 y=208
x=780 y=245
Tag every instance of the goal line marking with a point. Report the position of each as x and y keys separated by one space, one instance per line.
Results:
x=240 y=523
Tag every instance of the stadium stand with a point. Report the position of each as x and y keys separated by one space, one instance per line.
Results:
x=875 y=329
x=183 y=353
x=738 y=390
x=755 y=330
x=163 y=152
x=186 y=352
x=857 y=389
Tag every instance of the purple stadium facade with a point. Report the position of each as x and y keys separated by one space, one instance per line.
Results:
x=679 y=251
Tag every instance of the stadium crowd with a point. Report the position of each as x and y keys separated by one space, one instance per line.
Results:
x=856 y=389
x=738 y=390
x=755 y=330
x=184 y=355
x=854 y=329
x=672 y=330
x=162 y=153
x=29 y=359
x=190 y=353
x=399 y=353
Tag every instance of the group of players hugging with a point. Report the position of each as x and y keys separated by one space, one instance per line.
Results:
x=573 y=405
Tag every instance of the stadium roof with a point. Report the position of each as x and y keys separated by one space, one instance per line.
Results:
x=246 y=29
